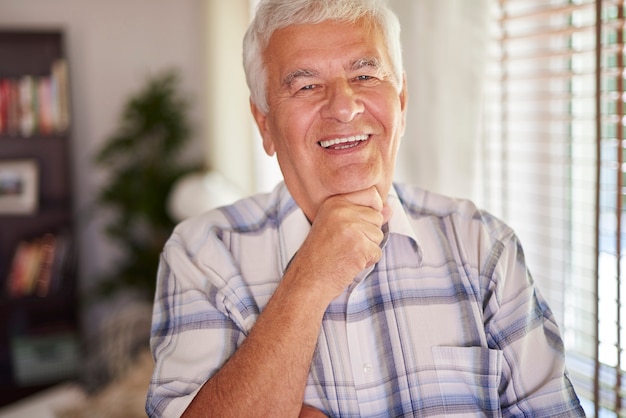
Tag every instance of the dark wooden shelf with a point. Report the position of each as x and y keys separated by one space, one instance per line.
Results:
x=30 y=325
x=29 y=51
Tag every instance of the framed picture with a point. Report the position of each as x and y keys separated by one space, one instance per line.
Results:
x=19 y=187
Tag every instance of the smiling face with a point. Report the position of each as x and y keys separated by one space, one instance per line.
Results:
x=336 y=112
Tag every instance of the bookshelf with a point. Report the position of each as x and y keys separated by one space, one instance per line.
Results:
x=38 y=305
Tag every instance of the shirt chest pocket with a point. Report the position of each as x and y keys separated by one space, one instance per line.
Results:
x=468 y=379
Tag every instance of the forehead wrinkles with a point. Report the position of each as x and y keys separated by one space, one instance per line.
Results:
x=368 y=50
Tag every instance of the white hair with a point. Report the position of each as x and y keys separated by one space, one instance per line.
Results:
x=276 y=14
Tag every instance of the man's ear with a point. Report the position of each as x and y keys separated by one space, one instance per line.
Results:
x=404 y=100
x=261 y=122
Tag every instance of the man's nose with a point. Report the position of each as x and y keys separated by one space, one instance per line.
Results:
x=342 y=102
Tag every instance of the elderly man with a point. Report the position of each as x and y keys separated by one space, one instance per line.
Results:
x=342 y=293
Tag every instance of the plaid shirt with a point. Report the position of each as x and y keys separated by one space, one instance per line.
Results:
x=447 y=322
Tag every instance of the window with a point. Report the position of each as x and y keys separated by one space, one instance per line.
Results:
x=553 y=167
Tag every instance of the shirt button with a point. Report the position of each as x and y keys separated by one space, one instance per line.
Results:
x=367 y=367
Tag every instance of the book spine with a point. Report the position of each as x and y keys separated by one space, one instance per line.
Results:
x=32 y=105
x=38 y=266
x=48 y=249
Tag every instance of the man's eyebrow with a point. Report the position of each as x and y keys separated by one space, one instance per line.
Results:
x=365 y=62
x=292 y=76
x=372 y=62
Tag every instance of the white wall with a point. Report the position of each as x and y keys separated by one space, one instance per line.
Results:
x=112 y=46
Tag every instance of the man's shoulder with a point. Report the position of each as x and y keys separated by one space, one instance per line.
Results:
x=420 y=203
x=251 y=214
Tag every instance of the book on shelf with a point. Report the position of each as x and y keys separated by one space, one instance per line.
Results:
x=31 y=105
x=28 y=104
x=60 y=96
x=38 y=266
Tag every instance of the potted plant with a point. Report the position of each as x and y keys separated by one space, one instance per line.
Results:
x=142 y=158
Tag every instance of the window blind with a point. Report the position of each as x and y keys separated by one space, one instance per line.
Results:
x=553 y=168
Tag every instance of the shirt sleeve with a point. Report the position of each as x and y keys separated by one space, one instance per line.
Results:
x=518 y=322
x=193 y=333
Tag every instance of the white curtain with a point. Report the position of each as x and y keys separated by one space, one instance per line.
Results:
x=445 y=51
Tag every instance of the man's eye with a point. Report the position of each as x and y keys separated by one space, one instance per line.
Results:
x=308 y=87
x=364 y=77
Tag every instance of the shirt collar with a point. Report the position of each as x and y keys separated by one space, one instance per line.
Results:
x=399 y=222
x=294 y=226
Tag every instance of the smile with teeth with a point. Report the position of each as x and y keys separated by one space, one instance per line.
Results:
x=344 y=143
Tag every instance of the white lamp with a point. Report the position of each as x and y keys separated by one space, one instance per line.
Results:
x=198 y=192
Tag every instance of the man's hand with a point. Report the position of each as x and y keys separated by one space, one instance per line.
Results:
x=344 y=239
x=310 y=412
